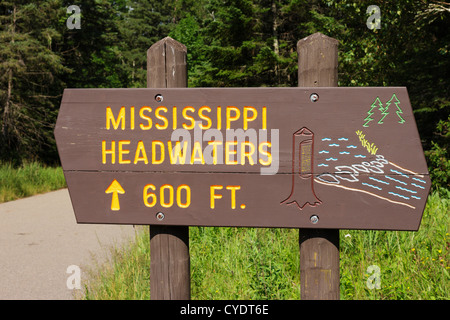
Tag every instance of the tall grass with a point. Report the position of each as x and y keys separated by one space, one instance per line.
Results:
x=124 y=276
x=244 y=263
x=412 y=265
x=254 y=263
x=28 y=179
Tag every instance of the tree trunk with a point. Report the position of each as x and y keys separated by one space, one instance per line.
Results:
x=7 y=109
x=302 y=192
x=276 y=46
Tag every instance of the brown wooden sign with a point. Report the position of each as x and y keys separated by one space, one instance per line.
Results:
x=342 y=158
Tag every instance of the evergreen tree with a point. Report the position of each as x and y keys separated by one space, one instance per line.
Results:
x=92 y=52
x=29 y=84
x=144 y=23
x=188 y=32
x=229 y=48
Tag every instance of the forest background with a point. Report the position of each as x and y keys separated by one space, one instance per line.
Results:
x=240 y=43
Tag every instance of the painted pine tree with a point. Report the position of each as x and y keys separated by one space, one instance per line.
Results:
x=375 y=104
x=399 y=111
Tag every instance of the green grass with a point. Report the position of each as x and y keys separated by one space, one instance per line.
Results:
x=254 y=263
x=126 y=278
x=413 y=265
x=28 y=179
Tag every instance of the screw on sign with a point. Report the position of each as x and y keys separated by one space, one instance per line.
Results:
x=314 y=97
x=200 y=156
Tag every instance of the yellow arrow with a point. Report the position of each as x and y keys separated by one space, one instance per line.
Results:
x=115 y=188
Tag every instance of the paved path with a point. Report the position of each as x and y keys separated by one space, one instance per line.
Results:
x=40 y=239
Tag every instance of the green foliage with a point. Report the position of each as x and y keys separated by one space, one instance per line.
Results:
x=412 y=265
x=241 y=263
x=142 y=24
x=92 y=52
x=438 y=157
x=187 y=31
x=30 y=80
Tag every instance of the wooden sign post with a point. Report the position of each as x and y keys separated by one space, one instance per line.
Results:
x=319 y=248
x=318 y=158
x=169 y=245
